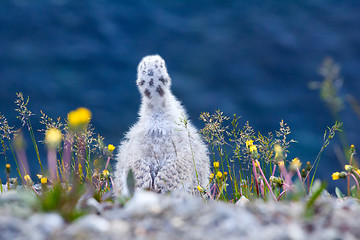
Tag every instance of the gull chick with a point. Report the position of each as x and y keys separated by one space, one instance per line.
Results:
x=163 y=149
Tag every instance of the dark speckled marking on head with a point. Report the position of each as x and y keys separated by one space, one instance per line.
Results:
x=142 y=82
x=147 y=93
x=163 y=80
x=160 y=90
x=150 y=72
x=151 y=83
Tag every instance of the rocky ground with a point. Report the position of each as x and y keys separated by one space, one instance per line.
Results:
x=151 y=216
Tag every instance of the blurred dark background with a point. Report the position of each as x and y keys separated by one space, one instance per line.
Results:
x=252 y=58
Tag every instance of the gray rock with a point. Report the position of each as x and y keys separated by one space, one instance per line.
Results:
x=242 y=201
x=47 y=223
x=144 y=202
x=175 y=216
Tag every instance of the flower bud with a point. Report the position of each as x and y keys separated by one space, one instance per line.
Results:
x=342 y=174
x=352 y=149
x=276 y=181
x=303 y=173
x=8 y=168
x=308 y=167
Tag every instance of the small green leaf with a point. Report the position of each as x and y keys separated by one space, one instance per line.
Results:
x=315 y=193
x=338 y=192
x=130 y=182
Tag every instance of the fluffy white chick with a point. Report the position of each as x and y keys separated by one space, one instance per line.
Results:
x=163 y=154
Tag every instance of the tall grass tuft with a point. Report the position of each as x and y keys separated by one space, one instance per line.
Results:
x=77 y=159
x=253 y=165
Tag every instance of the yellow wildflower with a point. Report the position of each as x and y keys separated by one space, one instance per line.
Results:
x=219 y=174
x=27 y=178
x=278 y=149
x=79 y=118
x=199 y=188
x=216 y=164
x=295 y=163
x=249 y=143
x=39 y=176
x=211 y=176
x=348 y=168
x=106 y=173
x=253 y=151
x=111 y=148
x=43 y=180
x=253 y=148
x=225 y=174
x=278 y=153
x=53 y=137
x=256 y=163
x=335 y=176
x=7 y=165
x=358 y=171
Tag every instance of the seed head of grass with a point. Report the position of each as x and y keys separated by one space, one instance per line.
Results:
x=6 y=132
x=24 y=112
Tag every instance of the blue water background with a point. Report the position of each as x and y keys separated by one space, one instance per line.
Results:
x=252 y=58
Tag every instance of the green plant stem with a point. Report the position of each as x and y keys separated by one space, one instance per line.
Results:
x=16 y=162
x=348 y=184
x=35 y=144
x=192 y=153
